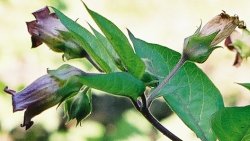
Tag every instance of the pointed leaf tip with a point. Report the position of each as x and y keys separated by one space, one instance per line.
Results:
x=246 y=85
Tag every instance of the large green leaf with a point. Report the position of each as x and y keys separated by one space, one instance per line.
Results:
x=120 y=43
x=232 y=124
x=119 y=83
x=190 y=93
x=89 y=42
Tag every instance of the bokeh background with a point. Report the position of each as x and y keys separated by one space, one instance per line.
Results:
x=164 y=22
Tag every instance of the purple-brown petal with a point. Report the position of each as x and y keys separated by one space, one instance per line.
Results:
x=41 y=13
x=36 y=41
x=32 y=28
x=228 y=43
x=53 y=15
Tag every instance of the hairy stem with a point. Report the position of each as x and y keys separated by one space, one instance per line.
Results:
x=143 y=109
x=165 y=81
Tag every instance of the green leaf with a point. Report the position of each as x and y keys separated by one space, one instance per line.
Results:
x=79 y=107
x=120 y=43
x=232 y=124
x=88 y=41
x=105 y=43
x=190 y=93
x=246 y=85
x=112 y=53
x=119 y=83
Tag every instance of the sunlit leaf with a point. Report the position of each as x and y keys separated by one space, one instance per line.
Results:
x=105 y=43
x=89 y=42
x=232 y=124
x=119 y=83
x=120 y=43
x=190 y=93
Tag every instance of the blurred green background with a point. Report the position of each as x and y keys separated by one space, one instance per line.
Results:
x=164 y=22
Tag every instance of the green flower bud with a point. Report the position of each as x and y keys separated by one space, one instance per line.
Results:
x=79 y=107
x=45 y=92
x=200 y=45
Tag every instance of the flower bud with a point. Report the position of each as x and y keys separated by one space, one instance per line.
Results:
x=79 y=107
x=200 y=45
x=48 y=29
x=239 y=42
x=44 y=93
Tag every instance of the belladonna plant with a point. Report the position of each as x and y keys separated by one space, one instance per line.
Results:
x=141 y=72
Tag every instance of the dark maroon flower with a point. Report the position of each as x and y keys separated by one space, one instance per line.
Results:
x=48 y=29
x=45 y=92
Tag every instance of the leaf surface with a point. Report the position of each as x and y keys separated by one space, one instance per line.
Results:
x=118 y=83
x=88 y=41
x=232 y=124
x=120 y=43
x=190 y=93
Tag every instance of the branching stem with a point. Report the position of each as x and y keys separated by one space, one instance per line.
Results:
x=143 y=109
x=165 y=81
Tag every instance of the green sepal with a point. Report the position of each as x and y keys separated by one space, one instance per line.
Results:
x=67 y=75
x=61 y=74
x=73 y=52
x=198 y=48
x=80 y=106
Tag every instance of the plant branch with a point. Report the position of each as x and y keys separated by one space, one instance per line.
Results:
x=166 y=80
x=143 y=109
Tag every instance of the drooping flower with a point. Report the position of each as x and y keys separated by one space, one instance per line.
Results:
x=240 y=43
x=45 y=92
x=200 y=45
x=48 y=29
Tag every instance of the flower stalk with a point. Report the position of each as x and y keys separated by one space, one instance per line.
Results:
x=155 y=92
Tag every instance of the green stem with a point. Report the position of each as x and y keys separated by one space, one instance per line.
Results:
x=165 y=81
